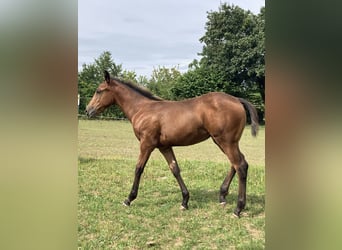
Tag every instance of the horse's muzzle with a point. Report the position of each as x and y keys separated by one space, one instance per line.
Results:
x=91 y=112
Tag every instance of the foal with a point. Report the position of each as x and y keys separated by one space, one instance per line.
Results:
x=163 y=124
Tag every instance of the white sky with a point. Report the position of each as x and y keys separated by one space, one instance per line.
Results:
x=145 y=34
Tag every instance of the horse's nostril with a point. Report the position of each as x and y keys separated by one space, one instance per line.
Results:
x=87 y=113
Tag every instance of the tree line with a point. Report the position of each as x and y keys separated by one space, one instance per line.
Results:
x=232 y=61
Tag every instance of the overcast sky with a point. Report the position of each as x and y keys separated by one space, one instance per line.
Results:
x=145 y=34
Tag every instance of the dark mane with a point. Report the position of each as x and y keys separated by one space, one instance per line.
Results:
x=140 y=90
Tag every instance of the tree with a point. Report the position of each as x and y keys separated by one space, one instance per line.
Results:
x=196 y=81
x=162 y=81
x=129 y=75
x=260 y=52
x=93 y=73
x=234 y=49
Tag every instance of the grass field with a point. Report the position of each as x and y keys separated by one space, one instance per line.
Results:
x=107 y=155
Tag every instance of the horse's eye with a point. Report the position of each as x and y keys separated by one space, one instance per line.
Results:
x=98 y=91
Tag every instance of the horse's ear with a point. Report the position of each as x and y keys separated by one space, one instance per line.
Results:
x=107 y=76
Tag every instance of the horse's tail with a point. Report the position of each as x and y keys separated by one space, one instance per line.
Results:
x=253 y=114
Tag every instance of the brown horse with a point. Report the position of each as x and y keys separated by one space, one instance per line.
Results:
x=163 y=124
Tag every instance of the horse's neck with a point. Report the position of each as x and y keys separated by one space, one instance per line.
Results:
x=129 y=101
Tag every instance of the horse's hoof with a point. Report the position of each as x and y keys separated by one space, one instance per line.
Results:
x=126 y=203
x=184 y=207
x=223 y=204
x=236 y=214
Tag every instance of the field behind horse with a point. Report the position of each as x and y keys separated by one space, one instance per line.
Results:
x=107 y=155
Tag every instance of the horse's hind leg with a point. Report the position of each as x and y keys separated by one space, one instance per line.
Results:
x=225 y=185
x=173 y=165
x=239 y=166
x=242 y=169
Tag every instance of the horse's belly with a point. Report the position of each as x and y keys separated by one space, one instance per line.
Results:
x=183 y=137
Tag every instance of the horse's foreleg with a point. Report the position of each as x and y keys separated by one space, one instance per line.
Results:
x=143 y=158
x=173 y=165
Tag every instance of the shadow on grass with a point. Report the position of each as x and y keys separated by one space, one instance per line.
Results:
x=204 y=199
x=84 y=160
x=255 y=203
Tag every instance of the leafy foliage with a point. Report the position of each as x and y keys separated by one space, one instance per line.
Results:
x=194 y=83
x=162 y=81
x=234 y=48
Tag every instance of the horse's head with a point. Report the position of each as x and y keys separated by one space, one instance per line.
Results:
x=103 y=97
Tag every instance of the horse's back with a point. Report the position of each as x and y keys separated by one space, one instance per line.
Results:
x=217 y=105
x=191 y=121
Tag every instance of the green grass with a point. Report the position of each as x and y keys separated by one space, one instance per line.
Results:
x=107 y=157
